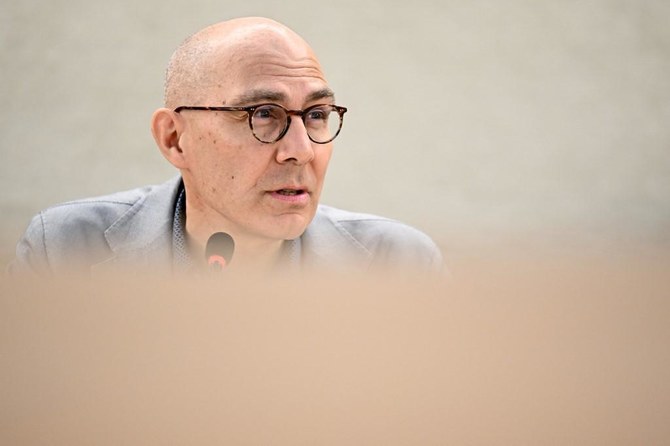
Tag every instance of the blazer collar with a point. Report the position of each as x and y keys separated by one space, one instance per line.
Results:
x=143 y=236
x=328 y=244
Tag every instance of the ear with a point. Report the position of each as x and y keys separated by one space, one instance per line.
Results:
x=167 y=127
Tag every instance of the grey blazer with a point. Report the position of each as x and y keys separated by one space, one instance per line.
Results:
x=134 y=228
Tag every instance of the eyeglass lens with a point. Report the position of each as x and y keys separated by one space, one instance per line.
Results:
x=322 y=122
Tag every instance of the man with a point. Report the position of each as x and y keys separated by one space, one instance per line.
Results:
x=249 y=122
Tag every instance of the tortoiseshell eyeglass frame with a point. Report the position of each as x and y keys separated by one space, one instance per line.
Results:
x=250 y=110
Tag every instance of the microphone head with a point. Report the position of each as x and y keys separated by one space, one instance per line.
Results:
x=219 y=249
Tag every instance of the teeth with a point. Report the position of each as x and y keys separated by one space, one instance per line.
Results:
x=288 y=192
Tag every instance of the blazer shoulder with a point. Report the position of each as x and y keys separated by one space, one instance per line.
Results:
x=73 y=232
x=97 y=210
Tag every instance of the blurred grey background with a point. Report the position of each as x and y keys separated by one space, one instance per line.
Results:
x=484 y=123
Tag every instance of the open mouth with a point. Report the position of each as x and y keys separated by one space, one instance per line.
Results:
x=290 y=192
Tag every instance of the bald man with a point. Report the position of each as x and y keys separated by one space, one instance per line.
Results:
x=249 y=122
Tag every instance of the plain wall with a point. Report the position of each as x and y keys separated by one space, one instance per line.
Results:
x=511 y=123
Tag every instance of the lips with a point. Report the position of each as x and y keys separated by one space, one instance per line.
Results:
x=290 y=192
x=292 y=195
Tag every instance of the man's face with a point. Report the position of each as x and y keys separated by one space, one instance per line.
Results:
x=234 y=182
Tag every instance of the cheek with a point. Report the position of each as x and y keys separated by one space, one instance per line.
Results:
x=321 y=162
x=224 y=162
x=234 y=171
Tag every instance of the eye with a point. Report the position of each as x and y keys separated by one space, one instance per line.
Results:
x=318 y=114
x=268 y=112
x=263 y=113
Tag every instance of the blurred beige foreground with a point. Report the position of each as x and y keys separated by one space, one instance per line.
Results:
x=560 y=351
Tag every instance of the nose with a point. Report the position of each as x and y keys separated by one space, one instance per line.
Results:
x=295 y=147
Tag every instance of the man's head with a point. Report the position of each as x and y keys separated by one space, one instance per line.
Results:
x=234 y=182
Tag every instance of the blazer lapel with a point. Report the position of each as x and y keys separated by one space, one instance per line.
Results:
x=142 y=237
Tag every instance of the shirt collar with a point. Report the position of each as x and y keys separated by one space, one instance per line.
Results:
x=181 y=259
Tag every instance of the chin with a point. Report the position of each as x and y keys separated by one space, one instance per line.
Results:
x=288 y=227
x=290 y=233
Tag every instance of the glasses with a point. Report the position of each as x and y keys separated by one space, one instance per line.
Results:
x=270 y=122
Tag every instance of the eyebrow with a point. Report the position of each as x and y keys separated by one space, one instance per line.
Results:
x=262 y=95
x=321 y=94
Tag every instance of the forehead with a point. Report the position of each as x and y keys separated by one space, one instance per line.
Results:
x=268 y=67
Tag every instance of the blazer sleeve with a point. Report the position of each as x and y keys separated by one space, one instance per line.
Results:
x=31 y=250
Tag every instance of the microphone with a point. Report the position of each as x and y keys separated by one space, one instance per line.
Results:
x=219 y=251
